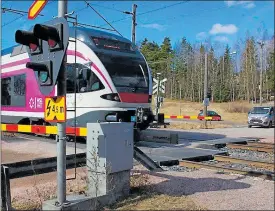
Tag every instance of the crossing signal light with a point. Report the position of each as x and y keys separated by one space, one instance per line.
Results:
x=53 y=35
x=46 y=46
x=44 y=70
x=29 y=39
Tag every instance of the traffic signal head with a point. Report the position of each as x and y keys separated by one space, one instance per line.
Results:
x=44 y=71
x=29 y=39
x=53 y=35
x=47 y=44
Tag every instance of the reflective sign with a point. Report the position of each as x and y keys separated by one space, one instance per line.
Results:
x=55 y=109
x=36 y=8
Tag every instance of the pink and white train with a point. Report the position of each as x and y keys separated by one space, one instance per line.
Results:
x=119 y=82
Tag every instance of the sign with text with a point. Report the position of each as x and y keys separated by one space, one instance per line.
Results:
x=55 y=109
x=36 y=8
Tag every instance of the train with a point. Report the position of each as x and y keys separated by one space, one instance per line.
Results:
x=116 y=86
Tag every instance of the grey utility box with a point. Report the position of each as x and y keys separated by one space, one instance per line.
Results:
x=110 y=147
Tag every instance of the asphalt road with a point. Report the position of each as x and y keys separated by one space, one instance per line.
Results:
x=234 y=132
x=233 y=124
x=37 y=146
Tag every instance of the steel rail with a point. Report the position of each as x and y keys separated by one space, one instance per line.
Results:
x=261 y=144
x=266 y=165
x=251 y=148
x=198 y=165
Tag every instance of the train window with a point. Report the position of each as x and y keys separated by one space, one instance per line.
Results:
x=90 y=84
x=71 y=77
x=6 y=91
x=83 y=84
x=126 y=72
x=13 y=90
x=19 y=90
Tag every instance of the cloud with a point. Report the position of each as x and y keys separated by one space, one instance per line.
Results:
x=245 y=4
x=201 y=35
x=154 y=26
x=221 y=39
x=223 y=29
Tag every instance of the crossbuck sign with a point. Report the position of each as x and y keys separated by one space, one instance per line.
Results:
x=161 y=85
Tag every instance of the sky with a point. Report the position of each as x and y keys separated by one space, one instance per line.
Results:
x=222 y=22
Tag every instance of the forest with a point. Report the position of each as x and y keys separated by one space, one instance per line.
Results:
x=233 y=73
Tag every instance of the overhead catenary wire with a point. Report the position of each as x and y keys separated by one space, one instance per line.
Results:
x=18 y=12
x=102 y=17
x=161 y=8
x=197 y=14
x=109 y=8
x=5 y=24
x=150 y=11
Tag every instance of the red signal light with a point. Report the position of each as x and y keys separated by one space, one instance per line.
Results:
x=33 y=47
x=52 y=43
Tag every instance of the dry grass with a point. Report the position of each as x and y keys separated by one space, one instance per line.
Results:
x=158 y=202
x=32 y=197
x=232 y=111
x=141 y=197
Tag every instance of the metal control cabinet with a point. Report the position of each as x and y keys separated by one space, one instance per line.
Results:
x=110 y=147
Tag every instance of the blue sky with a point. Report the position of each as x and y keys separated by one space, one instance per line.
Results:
x=222 y=21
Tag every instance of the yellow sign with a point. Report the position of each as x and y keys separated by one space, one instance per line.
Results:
x=36 y=8
x=55 y=109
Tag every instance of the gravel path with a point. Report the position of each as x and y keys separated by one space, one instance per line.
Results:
x=216 y=191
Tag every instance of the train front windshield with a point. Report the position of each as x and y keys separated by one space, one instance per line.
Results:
x=128 y=74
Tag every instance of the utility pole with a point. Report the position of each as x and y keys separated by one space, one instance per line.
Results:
x=157 y=107
x=261 y=74
x=61 y=127
x=134 y=23
x=205 y=90
x=133 y=13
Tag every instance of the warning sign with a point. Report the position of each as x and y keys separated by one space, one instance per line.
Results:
x=36 y=8
x=55 y=109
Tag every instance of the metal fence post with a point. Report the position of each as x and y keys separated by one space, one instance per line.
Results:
x=5 y=189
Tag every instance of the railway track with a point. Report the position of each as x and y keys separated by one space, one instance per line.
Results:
x=237 y=165
x=253 y=146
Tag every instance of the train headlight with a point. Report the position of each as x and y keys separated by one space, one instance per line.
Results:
x=112 y=97
x=116 y=98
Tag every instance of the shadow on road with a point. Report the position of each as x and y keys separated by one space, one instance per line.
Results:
x=180 y=185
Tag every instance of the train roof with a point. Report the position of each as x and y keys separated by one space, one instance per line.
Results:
x=98 y=33
x=83 y=34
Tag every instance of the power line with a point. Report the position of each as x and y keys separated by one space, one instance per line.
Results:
x=188 y=15
x=109 y=8
x=154 y=10
x=18 y=12
x=15 y=11
x=5 y=24
x=161 y=8
x=102 y=17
